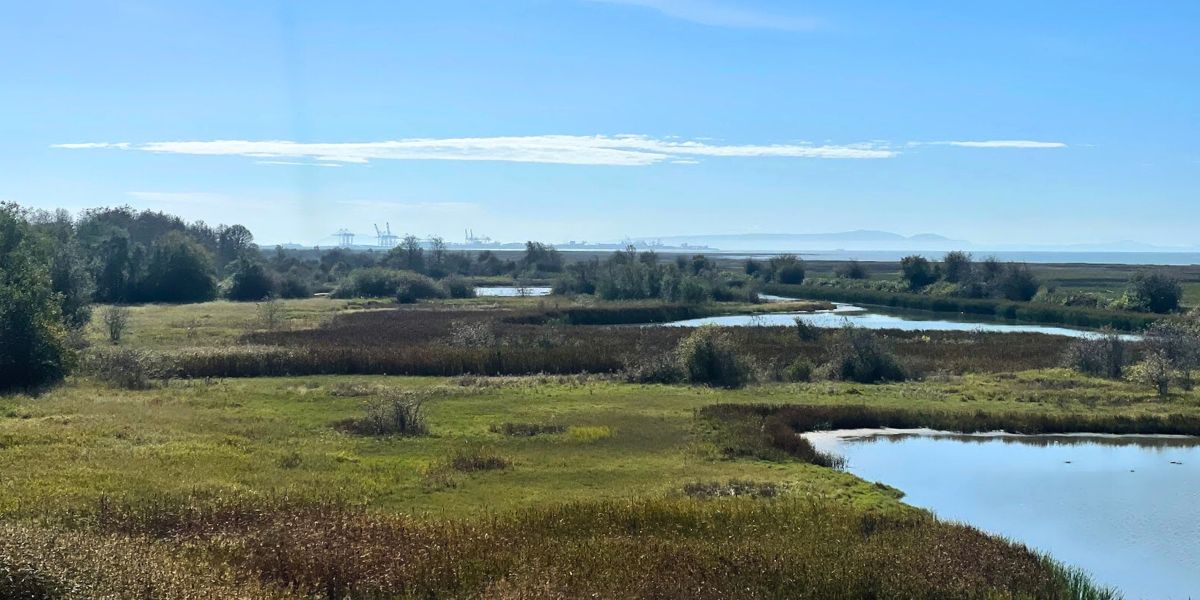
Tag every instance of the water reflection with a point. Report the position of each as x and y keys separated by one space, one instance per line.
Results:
x=511 y=291
x=879 y=318
x=1124 y=508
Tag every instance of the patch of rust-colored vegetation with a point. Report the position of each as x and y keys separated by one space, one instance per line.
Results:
x=661 y=548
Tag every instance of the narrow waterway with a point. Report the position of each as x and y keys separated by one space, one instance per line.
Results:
x=878 y=318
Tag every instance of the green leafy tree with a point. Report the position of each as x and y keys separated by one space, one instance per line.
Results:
x=233 y=242
x=786 y=269
x=249 y=280
x=33 y=335
x=1018 y=283
x=69 y=276
x=1155 y=292
x=179 y=270
x=917 y=271
x=112 y=268
x=957 y=266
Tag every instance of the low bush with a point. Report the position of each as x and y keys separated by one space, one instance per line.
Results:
x=798 y=370
x=373 y=282
x=470 y=460
x=1102 y=356
x=124 y=368
x=859 y=355
x=807 y=332
x=414 y=287
x=708 y=357
x=654 y=368
x=399 y=413
x=1155 y=371
x=457 y=287
x=525 y=429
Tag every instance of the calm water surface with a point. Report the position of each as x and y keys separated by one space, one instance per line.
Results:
x=876 y=318
x=512 y=291
x=1124 y=508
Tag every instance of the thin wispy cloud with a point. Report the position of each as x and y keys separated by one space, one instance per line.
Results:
x=721 y=14
x=618 y=150
x=414 y=207
x=295 y=163
x=93 y=145
x=1022 y=144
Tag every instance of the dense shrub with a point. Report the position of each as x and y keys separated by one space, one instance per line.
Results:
x=294 y=287
x=692 y=291
x=124 y=368
x=798 y=370
x=414 y=287
x=708 y=357
x=1102 y=356
x=179 y=270
x=1155 y=292
x=786 y=269
x=858 y=354
x=956 y=266
x=917 y=271
x=374 y=282
x=33 y=330
x=1018 y=283
x=457 y=287
x=249 y=281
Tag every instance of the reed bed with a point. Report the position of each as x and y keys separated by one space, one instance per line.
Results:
x=421 y=341
x=667 y=548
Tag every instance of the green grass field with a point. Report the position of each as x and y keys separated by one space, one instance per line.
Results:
x=277 y=435
x=262 y=480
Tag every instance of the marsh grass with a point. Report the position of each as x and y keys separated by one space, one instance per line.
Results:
x=667 y=548
x=525 y=429
x=732 y=488
x=474 y=459
x=770 y=431
x=492 y=340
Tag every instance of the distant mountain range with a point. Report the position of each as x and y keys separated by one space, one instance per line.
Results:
x=861 y=239
x=869 y=239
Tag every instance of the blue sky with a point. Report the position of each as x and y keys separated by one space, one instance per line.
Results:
x=1006 y=122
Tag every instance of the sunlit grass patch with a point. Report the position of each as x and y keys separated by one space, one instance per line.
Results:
x=591 y=433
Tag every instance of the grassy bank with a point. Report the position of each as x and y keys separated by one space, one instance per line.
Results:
x=771 y=431
x=254 y=483
x=1032 y=312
